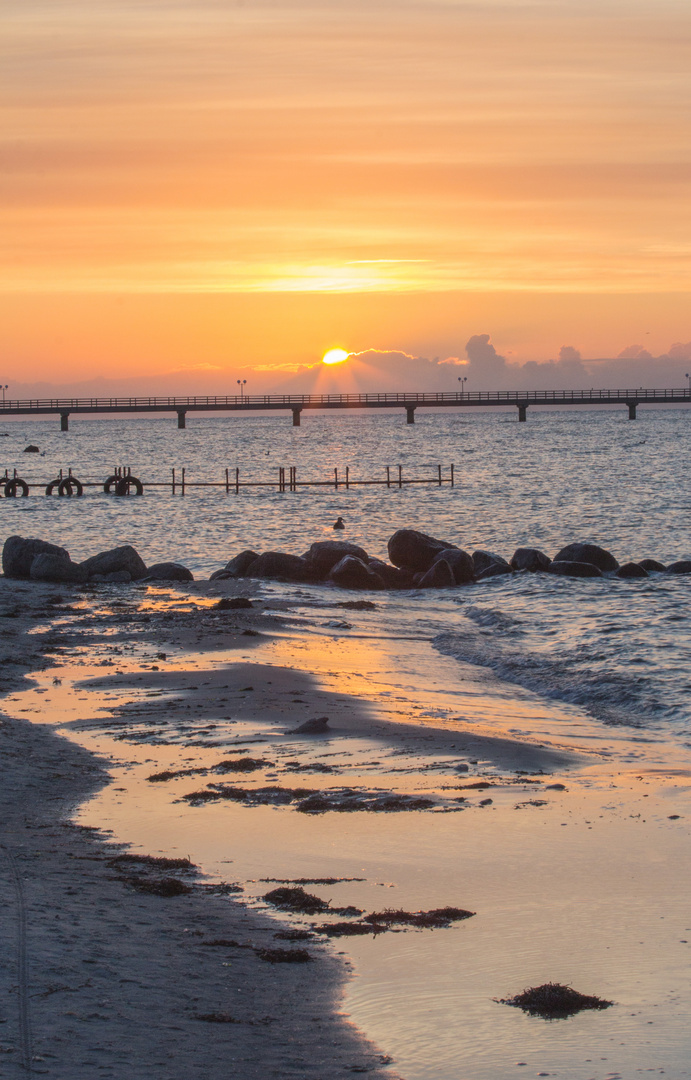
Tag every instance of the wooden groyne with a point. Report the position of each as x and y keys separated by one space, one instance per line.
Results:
x=122 y=482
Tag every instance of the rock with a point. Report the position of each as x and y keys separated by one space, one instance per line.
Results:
x=31 y=449
x=631 y=570
x=392 y=576
x=118 y=577
x=681 y=567
x=19 y=553
x=439 y=576
x=414 y=550
x=494 y=570
x=482 y=560
x=352 y=573
x=239 y=565
x=588 y=553
x=460 y=562
x=221 y=575
x=531 y=559
x=279 y=565
x=311 y=727
x=168 y=571
x=567 y=568
x=115 y=561
x=46 y=567
x=324 y=555
x=652 y=566
x=233 y=603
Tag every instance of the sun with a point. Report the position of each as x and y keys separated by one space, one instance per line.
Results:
x=335 y=356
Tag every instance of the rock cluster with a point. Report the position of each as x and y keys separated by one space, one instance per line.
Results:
x=418 y=561
x=41 y=561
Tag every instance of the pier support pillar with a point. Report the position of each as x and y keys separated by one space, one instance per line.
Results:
x=522 y=414
x=182 y=418
x=64 y=421
x=410 y=414
x=632 y=409
x=296 y=417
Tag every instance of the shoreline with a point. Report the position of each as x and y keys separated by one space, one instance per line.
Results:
x=106 y=966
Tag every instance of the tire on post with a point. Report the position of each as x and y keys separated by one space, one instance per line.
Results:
x=16 y=487
x=71 y=486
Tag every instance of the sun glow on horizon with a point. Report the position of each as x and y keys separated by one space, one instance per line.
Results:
x=335 y=356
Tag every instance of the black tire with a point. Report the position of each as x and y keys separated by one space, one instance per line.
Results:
x=12 y=486
x=123 y=486
x=110 y=484
x=50 y=486
x=136 y=484
x=70 y=486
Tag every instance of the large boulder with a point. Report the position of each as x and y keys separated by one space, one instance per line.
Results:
x=169 y=571
x=439 y=576
x=414 y=550
x=240 y=564
x=631 y=570
x=588 y=553
x=567 y=568
x=279 y=566
x=19 y=553
x=483 y=560
x=530 y=559
x=353 y=573
x=494 y=570
x=116 y=560
x=324 y=554
x=683 y=566
x=652 y=566
x=47 y=567
x=392 y=576
x=461 y=564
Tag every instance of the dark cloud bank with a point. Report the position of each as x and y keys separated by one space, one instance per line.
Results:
x=482 y=368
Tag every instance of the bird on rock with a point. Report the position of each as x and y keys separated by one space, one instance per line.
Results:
x=338 y=523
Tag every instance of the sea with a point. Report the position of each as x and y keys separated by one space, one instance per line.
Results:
x=605 y=658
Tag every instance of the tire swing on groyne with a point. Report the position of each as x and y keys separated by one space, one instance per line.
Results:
x=123 y=483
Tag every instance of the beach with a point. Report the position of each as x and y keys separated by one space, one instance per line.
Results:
x=567 y=842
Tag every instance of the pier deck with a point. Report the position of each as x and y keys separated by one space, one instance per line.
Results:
x=296 y=403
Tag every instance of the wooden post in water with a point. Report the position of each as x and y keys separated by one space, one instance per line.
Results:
x=388 y=477
x=173 y=483
x=347 y=477
x=227 y=482
x=183 y=481
x=400 y=476
x=237 y=481
x=336 y=479
x=439 y=474
x=452 y=474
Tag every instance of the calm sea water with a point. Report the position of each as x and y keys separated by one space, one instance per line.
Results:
x=617 y=649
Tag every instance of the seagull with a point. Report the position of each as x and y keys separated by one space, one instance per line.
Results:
x=338 y=523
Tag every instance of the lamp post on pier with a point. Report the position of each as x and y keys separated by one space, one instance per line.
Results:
x=3 y=388
x=688 y=376
x=462 y=379
x=241 y=383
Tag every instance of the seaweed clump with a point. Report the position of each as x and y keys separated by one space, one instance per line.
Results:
x=168 y=886
x=155 y=861
x=284 y=956
x=297 y=900
x=379 y=922
x=554 y=1001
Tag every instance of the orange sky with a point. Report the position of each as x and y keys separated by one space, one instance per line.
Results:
x=234 y=184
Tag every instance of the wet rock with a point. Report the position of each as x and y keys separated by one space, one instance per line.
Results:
x=352 y=573
x=494 y=570
x=280 y=566
x=169 y=571
x=414 y=550
x=392 y=576
x=233 y=603
x=31 y=449
x=531 y=559
x=19 y=553
x=115 y=561
x=631 y=570
x=588 y=553
x=240 y=564
x=221 y=575
x=325 y=554
x=439 y=576
x=683 y=566
x=566 y=568
x=652 y=566
x=118 y=577
x=483 y=560
x=461 y=564
x=318 y=726
x=47 y=567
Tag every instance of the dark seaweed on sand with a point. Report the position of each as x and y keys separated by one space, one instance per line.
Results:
x=554 y=1001
x=168 y=886
x=245 y=764
x=154 y=861
x=284 y=956
x=297 y=900
x=379 y=922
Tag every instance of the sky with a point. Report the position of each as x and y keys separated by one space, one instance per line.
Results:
x=195 y=191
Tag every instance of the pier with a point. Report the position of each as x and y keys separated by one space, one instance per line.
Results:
x=295 y=404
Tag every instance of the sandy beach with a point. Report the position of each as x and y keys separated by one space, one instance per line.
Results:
x=534 y=834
